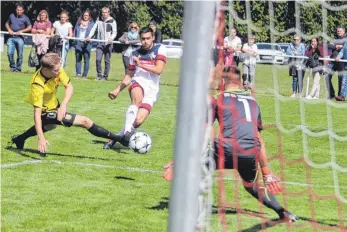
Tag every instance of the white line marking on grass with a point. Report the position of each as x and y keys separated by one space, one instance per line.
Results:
x=9 y=165
x=116 y=167
x=27 y=162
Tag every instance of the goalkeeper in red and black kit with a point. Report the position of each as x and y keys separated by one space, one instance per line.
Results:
x=240 y=142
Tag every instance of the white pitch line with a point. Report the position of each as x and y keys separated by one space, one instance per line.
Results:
x=27 y=162
x=9 y=165
x=115 y=167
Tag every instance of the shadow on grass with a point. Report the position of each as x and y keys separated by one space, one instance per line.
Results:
x=117 y=147
x=164 y=204
x=33 y=151
x=123 y=178
x=274 y=222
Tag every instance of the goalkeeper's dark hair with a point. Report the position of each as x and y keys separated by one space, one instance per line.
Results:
x=146 y=30
x=231 y=74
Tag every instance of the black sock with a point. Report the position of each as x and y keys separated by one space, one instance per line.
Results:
x=269 y=201
x=103 y=133
x=28 y=133
x=32 y=131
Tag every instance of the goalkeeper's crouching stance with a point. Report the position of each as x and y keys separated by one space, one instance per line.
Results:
x=240 y=143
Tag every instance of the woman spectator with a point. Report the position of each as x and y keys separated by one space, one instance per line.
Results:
x=249 y=60
x=314 y=52
x=63 y=28
x=131 y=37
x=232 y=47
x=41 y=32
x=158 y=38
x=83 y=48
x=296 y=68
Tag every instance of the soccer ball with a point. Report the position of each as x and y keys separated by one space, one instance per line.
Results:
x=140 y=142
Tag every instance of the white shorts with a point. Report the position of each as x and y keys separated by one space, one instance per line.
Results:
x=150 y=94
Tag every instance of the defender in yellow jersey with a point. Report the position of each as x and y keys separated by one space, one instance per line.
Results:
x=48 y=112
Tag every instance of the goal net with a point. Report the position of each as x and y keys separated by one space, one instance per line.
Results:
x=306 y=139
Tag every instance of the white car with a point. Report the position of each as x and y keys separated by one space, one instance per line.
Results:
x=270 y=53
x=284 y=47
x=174 y=48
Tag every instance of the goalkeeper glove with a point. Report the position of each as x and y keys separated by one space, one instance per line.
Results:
x=272 y=182
x=168 y=173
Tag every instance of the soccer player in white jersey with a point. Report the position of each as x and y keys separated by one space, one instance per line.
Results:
x=145 y=66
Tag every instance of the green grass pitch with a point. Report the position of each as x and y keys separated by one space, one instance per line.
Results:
x=81 y=187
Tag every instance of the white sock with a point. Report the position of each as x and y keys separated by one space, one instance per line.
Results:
x=130 y=118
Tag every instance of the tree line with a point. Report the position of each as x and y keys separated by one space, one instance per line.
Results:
x=169 y=15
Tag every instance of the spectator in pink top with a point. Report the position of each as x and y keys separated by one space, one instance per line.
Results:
x=42 y=26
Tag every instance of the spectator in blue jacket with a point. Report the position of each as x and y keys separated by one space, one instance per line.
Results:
x=343 y=55
x=83 y=48
x=296 y=69
x=17 y=24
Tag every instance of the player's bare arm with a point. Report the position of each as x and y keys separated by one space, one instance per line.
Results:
x=63 y=106
x=124 y=83
x=156 y=69
x=42 y=142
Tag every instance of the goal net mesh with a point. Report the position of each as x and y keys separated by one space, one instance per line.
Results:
x=305 y=139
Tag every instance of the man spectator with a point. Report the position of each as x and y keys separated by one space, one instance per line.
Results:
x=158 y=38
x=336 y=47
x=107 y=30
x=343 y=55
x=17 y=24
x=232 y=47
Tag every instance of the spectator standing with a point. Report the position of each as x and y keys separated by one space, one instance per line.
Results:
x=82 y=29
x=107 y=31
x=158 y=36
x=343 y=55
x=336 y=47
x=63 y=28
x=17 y=24
x=41 y=32
x=232 y=48
x=131 y=38
x=314 y=52
x=249 y=60
x=296 y=65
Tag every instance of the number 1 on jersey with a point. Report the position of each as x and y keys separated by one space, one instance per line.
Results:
x=247 y=109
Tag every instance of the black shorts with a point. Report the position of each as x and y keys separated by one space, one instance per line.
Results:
x=246 y=164
x=49 y=118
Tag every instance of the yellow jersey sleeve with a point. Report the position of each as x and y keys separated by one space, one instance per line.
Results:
x=64 y=79
x=35 y=96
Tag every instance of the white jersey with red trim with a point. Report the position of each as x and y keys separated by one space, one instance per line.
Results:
x=147 y=57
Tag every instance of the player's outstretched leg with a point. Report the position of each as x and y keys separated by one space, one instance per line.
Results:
x=247 y=169
x=19 y=140
x=270 y=201
x=94 y=129
x=129 y=129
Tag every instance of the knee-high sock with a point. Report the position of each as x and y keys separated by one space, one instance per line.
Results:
x=103 y=133
x=271 y=203
x=130 y=118
x=32 y=131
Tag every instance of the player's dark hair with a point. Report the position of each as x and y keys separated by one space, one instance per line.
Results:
x=228 y=74
x=232 y=69
x=146 y=30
